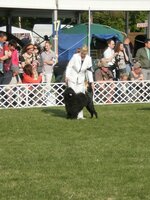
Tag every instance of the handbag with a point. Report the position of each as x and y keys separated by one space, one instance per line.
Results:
x=7 y=65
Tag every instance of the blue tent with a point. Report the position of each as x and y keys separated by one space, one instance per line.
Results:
x=75 y=37
x=68 y=45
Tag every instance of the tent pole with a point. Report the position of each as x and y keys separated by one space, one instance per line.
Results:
x=56 y=29
x=89 y=33
x=19 y=22
x=127 y=22
x=9 y=23
x=56 y=33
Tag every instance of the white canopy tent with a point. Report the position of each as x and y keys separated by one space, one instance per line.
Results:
x=19 y=32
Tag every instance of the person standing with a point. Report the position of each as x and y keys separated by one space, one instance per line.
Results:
x=49 y=60
x=143 y=56
x=121 y=58
x=78 y=69
x=3 y=39
x=28 y=57
x=109 y=55
x=37 y=53
x=129 y=51
x=10 y=61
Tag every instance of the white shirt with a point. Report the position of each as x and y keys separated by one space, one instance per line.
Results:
x=109 y=53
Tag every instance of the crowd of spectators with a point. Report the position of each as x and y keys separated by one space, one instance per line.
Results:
x=120 y=60
x=33 y=64
x=118 y=64
x=33 y=61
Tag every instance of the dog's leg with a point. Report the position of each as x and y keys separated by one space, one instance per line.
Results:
x=90 y=106
x=91 y=109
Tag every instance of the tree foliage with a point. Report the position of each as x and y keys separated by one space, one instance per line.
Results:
x=137 y=17
x=116 y=19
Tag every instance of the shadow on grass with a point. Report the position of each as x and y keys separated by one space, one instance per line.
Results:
x=146 y=109
x=57 y=112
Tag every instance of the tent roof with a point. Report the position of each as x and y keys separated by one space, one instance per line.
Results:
x=71 y=39
x=18 y=31
x=15 y=29
x=96 y=29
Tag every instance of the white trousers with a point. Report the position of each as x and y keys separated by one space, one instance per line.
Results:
x=77 y=88
x=47 y=78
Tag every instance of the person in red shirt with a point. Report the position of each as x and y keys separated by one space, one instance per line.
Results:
x=10 y=61
x=28 y=76
x=3 y=38
x=11 y=58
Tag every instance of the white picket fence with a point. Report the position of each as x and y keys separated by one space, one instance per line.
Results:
x=43 y=95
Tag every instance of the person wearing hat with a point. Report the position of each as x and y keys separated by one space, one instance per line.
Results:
x=136 y=73
x=28 y=57
x=143 y=56
x=103 y=75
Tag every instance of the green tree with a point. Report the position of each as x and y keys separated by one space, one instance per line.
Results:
x=116 y=19
x=113 y=19
x=2 y=21
x=137 y=17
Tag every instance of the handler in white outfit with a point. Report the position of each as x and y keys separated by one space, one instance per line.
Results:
x=79 y=68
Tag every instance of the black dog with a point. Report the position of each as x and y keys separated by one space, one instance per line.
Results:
x=75 y=102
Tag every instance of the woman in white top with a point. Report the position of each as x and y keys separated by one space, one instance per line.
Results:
x=121 y=58
x=79 y=68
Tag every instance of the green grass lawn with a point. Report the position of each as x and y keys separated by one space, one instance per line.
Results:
x=44 y=156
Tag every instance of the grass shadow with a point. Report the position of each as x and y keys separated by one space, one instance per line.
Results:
x=57 y=112
x=145 y=109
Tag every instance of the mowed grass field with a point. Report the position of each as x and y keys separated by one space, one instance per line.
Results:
x=44 y=156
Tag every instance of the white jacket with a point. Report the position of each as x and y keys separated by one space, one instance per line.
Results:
x=76 y=71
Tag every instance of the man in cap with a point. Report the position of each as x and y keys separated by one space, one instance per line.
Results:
x=103 y=73
x=136 y=73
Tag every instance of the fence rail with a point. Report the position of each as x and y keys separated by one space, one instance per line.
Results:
x=43 y=95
